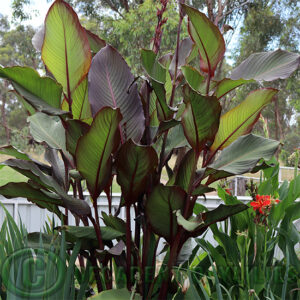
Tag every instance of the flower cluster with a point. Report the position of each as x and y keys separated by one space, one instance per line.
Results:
x=262 y=205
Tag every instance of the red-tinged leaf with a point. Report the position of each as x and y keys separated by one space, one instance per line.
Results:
x=185 y=49
x=96 y=44
x=95 y=148
x=240 y=120
x=200 y=119
x=208 y=39
x=134 y=165
x=165 y=112
x=81 y=109
x=226 y=85
x=66 y=51
x=267 y=66
x=186 y=172
x=194 y=79
x=43 y=93
x=12 y=151
x=241 y=157
x=152 y=66
x=111 y=84
x=74 y=130
x=160 y=207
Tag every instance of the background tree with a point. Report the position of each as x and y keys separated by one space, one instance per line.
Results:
x=15 y=49
x=267 y=26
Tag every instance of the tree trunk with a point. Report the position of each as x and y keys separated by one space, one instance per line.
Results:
x=3 y=114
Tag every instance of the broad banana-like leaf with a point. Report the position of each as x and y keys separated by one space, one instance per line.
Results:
x=43 y=93
x=186 y=172
x=227 y=85
x=112 y=84
x=200 y=120
x=95 y=148
x=160 y=207
x=66 y=51
x=12 y=151
x=166 y=125
x=33 y=171
x=152 y=66
x=165 y=112
x=95 y=42
x=185 y=48
x=208 y=39
x=25 y=190
x=241 y=156
x=37 y=196
x=114 y=222
x=81 y=109
x=267 y=66
x=240 y=120
x=49 y=129
x=134 y=165
x=74 y=130
x=78 y=232
x=176 y=139
x=197 y=225
x=193 y=78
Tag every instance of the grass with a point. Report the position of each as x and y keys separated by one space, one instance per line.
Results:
x=8 y=174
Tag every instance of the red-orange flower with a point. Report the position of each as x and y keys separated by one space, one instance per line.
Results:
x=262 y=202
x=228 y=191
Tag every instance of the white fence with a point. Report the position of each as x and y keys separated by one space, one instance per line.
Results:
x=34 y=218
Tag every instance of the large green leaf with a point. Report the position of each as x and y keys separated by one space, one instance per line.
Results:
x=79 y=232
x=66 y=51
x=201 y=118
x=267 y=66
x=176 y=139
x=226 y=85
x=95 y=42
x=186 y=172
x=241 y=156
x=197 y=225
x=43 y=93
x=12 y=151
x=152 y=66
x=193 y=78
x=240 y=120
x=94 y=149
x=185 y=48
x=88 y=237
x=24 y=190
x=49 y=129
x=165 y=112
x=163 y=201
x=208 y=39
x=134 y=165
x=32 y=171
x=112 y=84
x=74 y=130
x=81 y=109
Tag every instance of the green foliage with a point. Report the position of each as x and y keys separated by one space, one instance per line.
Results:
x=96 y=122
x=252 y=263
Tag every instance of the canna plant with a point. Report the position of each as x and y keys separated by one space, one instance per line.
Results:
x=99 y=122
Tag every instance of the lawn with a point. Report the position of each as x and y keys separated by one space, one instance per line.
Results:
x=8 y=174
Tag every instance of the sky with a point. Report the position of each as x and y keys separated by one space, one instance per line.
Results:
x=41 y=7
